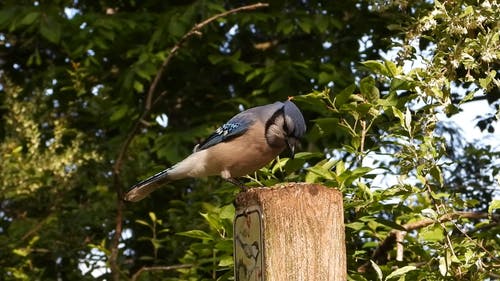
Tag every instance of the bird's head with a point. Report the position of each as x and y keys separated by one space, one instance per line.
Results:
x=286 y=127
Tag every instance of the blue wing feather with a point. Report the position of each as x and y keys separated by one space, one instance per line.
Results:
x=235 y=127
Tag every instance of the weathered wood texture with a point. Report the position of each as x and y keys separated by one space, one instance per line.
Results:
x=303 y=232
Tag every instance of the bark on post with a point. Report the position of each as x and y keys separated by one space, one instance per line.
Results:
x=290 y=232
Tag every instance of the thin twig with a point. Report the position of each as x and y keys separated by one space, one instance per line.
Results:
x=115 y=241
x=363 y=136
x=159 y=268
x=475 y=242
x=194 y=31
x=399 y=245
x=117 y=184
x=388 y=243
x=36 y=228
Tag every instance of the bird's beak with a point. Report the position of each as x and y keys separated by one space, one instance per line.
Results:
x=291 y=146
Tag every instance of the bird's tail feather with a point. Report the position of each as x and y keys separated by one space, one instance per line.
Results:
x=142 y=189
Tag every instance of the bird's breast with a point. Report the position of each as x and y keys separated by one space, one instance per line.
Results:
x=242 y=155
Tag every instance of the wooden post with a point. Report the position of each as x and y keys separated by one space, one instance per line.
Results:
x=290 y=232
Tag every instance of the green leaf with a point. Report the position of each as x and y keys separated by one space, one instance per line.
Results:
x=399 y=84
x=467 y=11
x=216 y=58
x=30 y=18
x=470 y=95
x=355 y=225
x=51 y=29
x=285 y=26
x=277 y=85
x=305 y=24
x=321 y=171
x=308 y=155
x=392 y=69
x=321 y=22
x=343 y=96
x=225 y=245
x=176 y=27
x=324 y=77
x=430 y=213
x=364 y=108
x=196 y=233
x=485 y=82
x=400 y=271
x=119 y=113
x=35 y=58
x=226 y=261
x=349 y=176
x=241 y=67
x=494 y=205
x=227 y=212
x=23 y=252
x=437 y=175
x=377 y=269
x=152 y=216
x=360 y=171
x=138 y=86
x=368 y=89
x=253 y=74
x=431 y=234
x=17 y=149
x=213 y=221
x=399 y=115
x=280 y=164
x=376 y=67
x=7 y=16
x=451 y=109
x=340 y=167
x=143 y=222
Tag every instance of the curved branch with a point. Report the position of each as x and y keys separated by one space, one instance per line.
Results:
x=194 y=31
x=149 y=98
x=117 y=184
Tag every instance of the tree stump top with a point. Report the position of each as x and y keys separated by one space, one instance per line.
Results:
x=291 y=231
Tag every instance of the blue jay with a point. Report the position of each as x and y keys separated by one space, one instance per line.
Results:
x=246 y=143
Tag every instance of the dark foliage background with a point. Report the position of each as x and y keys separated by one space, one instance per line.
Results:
x=83 y=119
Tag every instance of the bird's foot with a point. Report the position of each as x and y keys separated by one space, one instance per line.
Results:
x=236 y=182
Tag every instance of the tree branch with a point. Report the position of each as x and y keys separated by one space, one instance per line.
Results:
x=149 y=98
x=117 y=184
x=388 y=244
x=194 y=31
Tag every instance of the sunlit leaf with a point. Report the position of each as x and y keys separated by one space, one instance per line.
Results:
x=494 y=205
x=196 y=233
x=400 y=272
x=377 y=269
x=376 y=66
x=227 y=212
x=355 y=225
x=434 y=233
